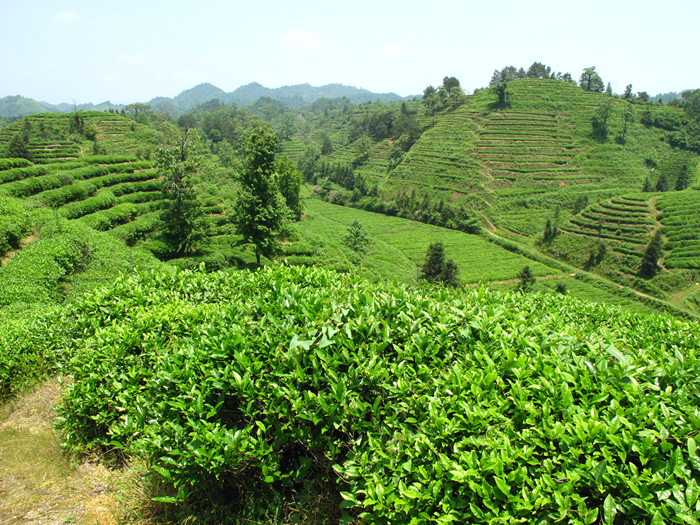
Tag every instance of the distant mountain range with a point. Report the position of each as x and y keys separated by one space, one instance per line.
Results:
x=295 y=97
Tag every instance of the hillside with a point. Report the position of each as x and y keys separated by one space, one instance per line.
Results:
x=539 y=158
x=333 y=384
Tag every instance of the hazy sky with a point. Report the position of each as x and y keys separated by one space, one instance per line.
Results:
x=128 y=51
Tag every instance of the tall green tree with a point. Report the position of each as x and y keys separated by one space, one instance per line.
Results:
x=436 y=269
x=185 y=226
x=501 y=91
x=326 y=146
x=630 y=115
x=432 y=104
x=290 y=179
x=261 y=210
x=650 y=260
x=357 y=238
x=590 y=80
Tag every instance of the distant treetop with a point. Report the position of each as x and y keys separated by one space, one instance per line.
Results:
x=536 y=70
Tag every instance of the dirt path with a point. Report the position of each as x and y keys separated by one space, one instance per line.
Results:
x=22 y=245
x=39 y=485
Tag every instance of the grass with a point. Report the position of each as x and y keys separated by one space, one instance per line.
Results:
x=39 y=482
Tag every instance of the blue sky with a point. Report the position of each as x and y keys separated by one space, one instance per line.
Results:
x=127 y=51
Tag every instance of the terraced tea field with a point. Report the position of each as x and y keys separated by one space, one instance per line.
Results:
x=53 y=139
x=680 y=218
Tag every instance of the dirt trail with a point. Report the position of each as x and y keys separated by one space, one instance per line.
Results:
x=22 y=245
x=38 y=484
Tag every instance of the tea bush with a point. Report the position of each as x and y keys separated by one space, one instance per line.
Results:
x=422 y=406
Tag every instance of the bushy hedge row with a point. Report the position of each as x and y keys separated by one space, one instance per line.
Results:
x=15 y=174
x=422 y=406
x=34 y=185
x=133 y=187
x=15 y=223
x=108 y=219
x=7 y=164
x=104 y=199
x=34 y=333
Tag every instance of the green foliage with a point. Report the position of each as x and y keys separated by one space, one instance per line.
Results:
x=437 y=269
x=591 y=81
x=261 y=211
x=475 y=405
x=17 y=147
x=357 y=238
x=650 y=261
x=184 y=225
x=289 y=180
x=527 y=279
x=15 y=223
x=8 y=164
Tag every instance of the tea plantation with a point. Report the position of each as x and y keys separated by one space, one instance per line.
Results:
x=411 y=406
x=332 y=385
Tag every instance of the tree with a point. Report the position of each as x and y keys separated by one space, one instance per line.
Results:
x=691 y=104
x=184 y=222
x=501 y=91
x=327 y=146
x=290 y=185
x=261 y=211
x=539 y=70
x=357 y=238
x=650 y=260
x=430 y=90
x=683 y=178
x=663 y=184
x=550 y=231
x=628 y=92
x=590 y=80
x=136 y=110
x=580 y=204
x=630 y=115
x=438 y=270
x=432 y=104
x=600 y=119
x=17 y=147
x=287 y=126
x=647 y=187
x=364 y=145
x=608 y=90
x=450 y=83
x=527 y=279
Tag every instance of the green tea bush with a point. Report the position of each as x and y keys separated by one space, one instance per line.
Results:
x=7 y=164
x=35 y=335
x=422 y=406
x=104 y=199
x=15 y=223
x=15 y=174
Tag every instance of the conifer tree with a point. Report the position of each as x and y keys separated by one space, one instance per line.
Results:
x=650 y=260
x=438 y=270
x=527 y=279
